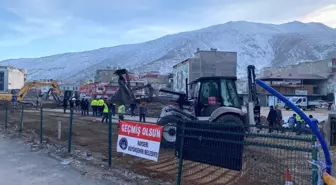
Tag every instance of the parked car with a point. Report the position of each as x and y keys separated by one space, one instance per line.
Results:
x=322 y=104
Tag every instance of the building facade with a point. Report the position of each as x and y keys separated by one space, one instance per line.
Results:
x=204 y=63
x=104 y=75
x=289 y=85
x=322 y=68
x=70 y=86
x=11 y=78
x=157 y=81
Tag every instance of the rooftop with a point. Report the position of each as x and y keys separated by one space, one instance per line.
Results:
x=292 y=76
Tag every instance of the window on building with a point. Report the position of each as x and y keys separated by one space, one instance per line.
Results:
x=290 y=91
x=334 y=63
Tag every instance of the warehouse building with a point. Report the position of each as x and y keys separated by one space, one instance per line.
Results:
x=316 y=80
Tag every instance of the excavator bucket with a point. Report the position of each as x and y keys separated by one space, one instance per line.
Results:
x=125 y=93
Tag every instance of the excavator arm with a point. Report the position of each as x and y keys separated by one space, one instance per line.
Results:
x=253 y=104
x=125 y=93
x=23 y=91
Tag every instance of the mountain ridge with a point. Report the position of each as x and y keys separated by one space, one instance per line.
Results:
x=265 y=44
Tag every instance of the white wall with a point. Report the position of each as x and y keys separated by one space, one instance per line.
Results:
x=15 y=79
x=180 y=74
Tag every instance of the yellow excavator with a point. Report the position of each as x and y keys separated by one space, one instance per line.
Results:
x=19 y=95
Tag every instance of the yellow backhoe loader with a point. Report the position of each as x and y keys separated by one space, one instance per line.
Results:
x=20 y=95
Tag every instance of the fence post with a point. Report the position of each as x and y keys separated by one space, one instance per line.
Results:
x=21 y=120
x=41 y=124
x=110 y=139
x=59 y=130
x=70 y=131
x=6 y=117
x=314 y=158
x=180 y=163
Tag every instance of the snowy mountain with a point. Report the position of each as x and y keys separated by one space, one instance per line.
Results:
x=259 y=44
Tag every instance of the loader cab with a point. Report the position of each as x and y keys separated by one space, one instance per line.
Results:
x=210 y=93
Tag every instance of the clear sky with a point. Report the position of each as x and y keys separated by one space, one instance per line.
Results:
x=33 y=28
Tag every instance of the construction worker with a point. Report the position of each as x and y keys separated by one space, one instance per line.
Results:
x=142 y=112
x=132 y=108
x=291 y=121
x=72 y=103
x=121 y=111
x=83 y=107
x=101 y=106
x=94 y=105
x=299 y=122
x=113 y=107
x=271 y=118
x=77 y=105
x=65 y=105
x=105 y=112
x=14 y=100
x=313 y=120
x=278 y=122
x=87 y=104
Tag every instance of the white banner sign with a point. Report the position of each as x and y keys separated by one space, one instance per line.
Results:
x=301 y=92
x=139 y=139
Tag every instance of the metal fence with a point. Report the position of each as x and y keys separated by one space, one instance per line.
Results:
x=226 y=154
x=204 y=153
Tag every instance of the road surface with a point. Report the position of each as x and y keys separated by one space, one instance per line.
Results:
x=20 y=166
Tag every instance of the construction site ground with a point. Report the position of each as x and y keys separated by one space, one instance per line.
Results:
x=90 y=142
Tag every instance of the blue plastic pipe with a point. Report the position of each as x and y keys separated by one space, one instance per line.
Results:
x=305 y=118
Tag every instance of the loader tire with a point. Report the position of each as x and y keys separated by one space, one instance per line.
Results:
x=232 y=119
x=229 y=118
x=169 y=124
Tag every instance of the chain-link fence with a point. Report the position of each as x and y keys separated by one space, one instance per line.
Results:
x=204 y=153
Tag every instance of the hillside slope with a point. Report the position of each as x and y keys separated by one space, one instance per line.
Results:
x=256 y=43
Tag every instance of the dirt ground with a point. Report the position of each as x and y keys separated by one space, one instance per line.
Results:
x=92 y=136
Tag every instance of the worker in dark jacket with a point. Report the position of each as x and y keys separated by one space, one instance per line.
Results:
x=87 y=105
x=113 y=109
x=132 y=107
x=292 y=121
x=83 y=107
x=142 y=112
x=271 y=118
x=65 y=105
x=278 y=122
x=72 y=103
x=313 y=120
x=78 y=103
